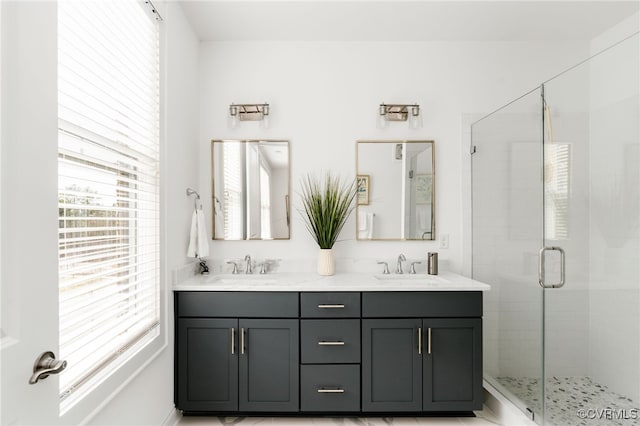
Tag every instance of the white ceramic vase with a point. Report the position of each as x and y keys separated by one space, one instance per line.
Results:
x=326 y=263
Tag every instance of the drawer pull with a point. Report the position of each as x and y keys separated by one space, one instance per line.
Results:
x=337 y=306
x=330 y=390
x=331 y=343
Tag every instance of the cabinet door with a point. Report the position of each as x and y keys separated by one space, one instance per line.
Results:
x=269 y=364
x=452 y=367
x=207 y=361
x=391 y=365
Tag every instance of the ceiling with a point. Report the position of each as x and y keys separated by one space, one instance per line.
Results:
x=360 y=20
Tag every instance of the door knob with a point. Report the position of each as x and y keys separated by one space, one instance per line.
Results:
x=46 y=364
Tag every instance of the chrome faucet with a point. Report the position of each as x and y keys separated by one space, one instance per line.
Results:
x=235 y=266
x=412 y=270
x=249 y=268
x=401 y=258
x=386 y=267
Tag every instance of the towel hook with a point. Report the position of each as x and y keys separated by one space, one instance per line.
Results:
x=191 y=192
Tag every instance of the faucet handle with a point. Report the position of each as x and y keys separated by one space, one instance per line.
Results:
x=413 y=267
x=386 y=267
x=264 y=266
x=235 y=266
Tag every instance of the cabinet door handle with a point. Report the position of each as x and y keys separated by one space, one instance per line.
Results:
x=331 y=390
x=336 y=306
x=331 y=343
x=242 y=346
x=419 y=340
x=233 y=341
x=429 y=340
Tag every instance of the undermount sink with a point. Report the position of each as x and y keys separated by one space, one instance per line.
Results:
x=245 y=279
x=417 y=278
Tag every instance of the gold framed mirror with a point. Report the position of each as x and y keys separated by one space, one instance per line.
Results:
x=250 y=185
x=396 y=190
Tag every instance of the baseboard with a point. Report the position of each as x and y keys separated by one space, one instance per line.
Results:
x=505 y=411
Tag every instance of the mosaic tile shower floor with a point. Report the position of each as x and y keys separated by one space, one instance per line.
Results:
x=566 y=395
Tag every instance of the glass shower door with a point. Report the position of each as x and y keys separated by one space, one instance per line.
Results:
x=592 y=211
x=507 y=224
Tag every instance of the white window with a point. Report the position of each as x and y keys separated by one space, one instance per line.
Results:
x=556 y=190
x=108 y=185
x=233 y=197
x=265 y=203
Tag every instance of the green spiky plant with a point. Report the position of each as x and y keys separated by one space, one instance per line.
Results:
x=327 y=203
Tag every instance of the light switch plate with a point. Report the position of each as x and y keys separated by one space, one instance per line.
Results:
x=444 y=241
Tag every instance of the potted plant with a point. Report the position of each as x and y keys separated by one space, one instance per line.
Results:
x=327 y=203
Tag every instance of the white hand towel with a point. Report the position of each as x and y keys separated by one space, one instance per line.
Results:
x=370 y=217
x=362 y=221
x=198 y=241
x=193 y=236
x=365 y=225
x=203 y=240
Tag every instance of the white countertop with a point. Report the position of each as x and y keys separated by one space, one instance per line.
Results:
x=445 y=281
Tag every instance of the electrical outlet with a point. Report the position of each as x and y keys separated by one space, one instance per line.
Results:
x=444 y=241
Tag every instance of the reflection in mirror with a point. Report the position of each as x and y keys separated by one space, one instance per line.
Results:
x=396 y=182
x=250 y=189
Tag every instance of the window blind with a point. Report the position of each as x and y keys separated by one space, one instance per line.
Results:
x=556 y=190
x=232 y=202
x=108 y=184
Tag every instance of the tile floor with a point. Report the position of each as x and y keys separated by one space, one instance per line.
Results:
x=566 y=395
x=484 y=418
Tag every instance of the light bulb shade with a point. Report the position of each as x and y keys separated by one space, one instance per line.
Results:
x=232 y=121
x=264 y=123
x=381 y=121
x=415 y=118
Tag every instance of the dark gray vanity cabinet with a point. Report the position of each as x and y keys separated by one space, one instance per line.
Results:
x=422 y=364
x=206 y=364
x=452 y=364
x=237 y=364
x=328 y=352
x=269 y=365
x=391 y=365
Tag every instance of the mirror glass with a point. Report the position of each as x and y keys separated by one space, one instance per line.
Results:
x=396 y=182
x=250 y=189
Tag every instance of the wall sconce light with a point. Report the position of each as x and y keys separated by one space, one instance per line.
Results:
x=399 y=112
x=249 y=112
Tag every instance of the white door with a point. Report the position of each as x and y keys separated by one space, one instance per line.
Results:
x=29 y=267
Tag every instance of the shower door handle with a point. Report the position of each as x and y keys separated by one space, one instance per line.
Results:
x=541 y=266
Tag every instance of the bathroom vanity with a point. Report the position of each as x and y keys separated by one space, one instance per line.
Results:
x=350 y=343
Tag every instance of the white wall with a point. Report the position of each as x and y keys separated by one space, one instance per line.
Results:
x=324 y=97
x=148 y=398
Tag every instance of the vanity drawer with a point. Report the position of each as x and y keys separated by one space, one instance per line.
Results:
x=330 y=305
x=431 y=304
x=237 y=304
x=330 y=388
x=333 y=341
